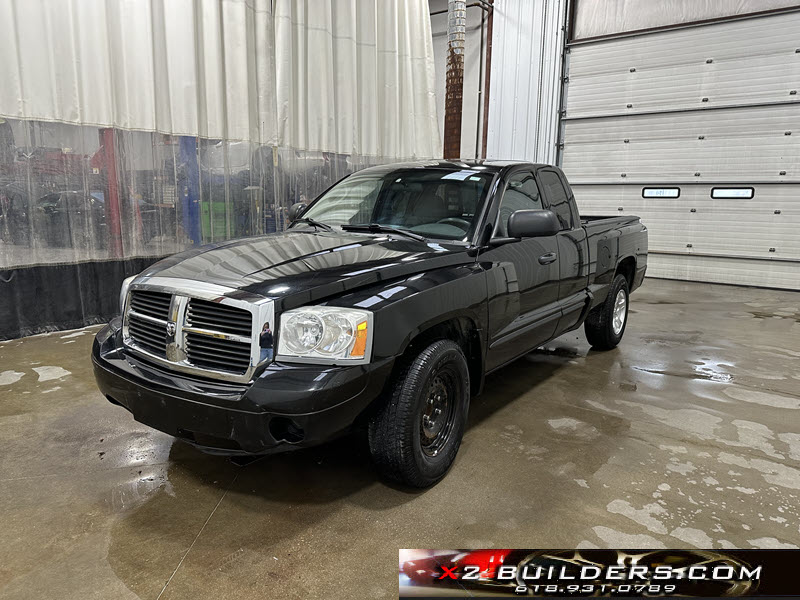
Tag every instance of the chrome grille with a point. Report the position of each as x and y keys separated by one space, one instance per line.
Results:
x=220 y=352
x=214 y=353
x=152 y=304
x=196 y=327
x=218 y=317
x=150 y=336
x=147 y=320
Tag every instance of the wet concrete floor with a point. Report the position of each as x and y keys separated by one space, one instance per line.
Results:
x=687 y=435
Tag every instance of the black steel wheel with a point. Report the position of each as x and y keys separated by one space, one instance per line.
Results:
x=415 y=433
x=438 y=414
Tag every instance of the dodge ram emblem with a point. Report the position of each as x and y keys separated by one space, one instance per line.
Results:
x=171 y=328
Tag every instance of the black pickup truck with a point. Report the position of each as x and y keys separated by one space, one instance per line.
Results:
x=382 y=307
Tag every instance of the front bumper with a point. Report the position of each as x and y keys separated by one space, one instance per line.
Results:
x=286 y=406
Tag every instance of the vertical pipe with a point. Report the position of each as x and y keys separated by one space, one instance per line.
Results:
x=453 y=104
x=487 y=79
x=480 y=89
x=114 y=222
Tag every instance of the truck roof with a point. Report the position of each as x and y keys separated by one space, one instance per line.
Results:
x=492 y=166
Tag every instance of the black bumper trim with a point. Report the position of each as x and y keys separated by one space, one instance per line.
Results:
x=237 y=419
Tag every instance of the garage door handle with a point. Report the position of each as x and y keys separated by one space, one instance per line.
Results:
x=546 y=259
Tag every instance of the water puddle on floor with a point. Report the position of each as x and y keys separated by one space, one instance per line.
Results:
x=697 y=374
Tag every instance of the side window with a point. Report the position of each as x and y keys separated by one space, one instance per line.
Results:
x=521 y=193
x=557 y=195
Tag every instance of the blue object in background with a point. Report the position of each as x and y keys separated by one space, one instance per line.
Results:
x=190 y=189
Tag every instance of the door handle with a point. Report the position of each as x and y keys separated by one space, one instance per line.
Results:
x=546 y=259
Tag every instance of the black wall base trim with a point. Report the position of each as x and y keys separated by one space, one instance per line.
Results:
x=45 y=298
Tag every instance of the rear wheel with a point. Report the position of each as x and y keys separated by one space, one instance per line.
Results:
x=605 y=325
x=415 y=435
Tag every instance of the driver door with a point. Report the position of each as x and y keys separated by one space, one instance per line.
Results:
x=522 y=279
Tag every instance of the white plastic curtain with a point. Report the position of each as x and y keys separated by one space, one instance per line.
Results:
x=182 y=67
x=142 y=127
x=345 y=71
x=356 y=76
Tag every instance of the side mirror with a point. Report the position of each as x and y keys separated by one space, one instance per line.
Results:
x=533 y=223
x=295 y=210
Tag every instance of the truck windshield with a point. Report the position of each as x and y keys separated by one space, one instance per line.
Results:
x=435 y=203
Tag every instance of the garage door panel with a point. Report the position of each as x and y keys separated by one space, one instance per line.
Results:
x=730 y=40
x=765 y=196
x=764 y=80
x=734 y=145
x=746 y=62
x=714 y=161
x=769 y=273
x=745 y=123
x=730 y=227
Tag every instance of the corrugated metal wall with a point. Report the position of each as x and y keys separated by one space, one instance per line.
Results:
x=527 y=43
x=694 y=108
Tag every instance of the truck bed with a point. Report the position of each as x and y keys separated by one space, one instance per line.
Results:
x=610 y=239
x=589 y=220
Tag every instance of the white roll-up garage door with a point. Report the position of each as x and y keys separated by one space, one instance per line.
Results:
x=697 y=130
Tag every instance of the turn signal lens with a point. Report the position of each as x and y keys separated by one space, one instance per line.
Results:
x=360 y=345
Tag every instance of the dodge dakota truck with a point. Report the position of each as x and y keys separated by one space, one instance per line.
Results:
x=381 y=308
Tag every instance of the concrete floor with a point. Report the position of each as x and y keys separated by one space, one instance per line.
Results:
x=687 y=435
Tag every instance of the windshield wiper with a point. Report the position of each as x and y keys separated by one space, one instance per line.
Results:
x=313 y=223
x=378 y=228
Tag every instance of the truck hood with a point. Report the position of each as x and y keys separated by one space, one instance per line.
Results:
x=314 y=264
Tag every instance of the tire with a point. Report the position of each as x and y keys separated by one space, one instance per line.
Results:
x=410 y=442
x=602 y=331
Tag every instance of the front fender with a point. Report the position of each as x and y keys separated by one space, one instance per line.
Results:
x=405 y=309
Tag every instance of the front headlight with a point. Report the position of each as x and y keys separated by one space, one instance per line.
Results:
x=325 y=334
x=123 y=293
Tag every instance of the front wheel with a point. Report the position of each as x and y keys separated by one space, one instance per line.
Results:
x=415 y=434
x=605 y=325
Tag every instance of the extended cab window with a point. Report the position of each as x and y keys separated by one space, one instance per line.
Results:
x=521 y=193
x=559 y=203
